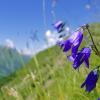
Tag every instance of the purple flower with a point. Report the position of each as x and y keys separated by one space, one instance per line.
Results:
x=82 y=56
x=91 y=80
x=98 y=98
x=73 y=42
x=59 y=26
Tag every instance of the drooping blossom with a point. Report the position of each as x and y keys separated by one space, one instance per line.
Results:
x=91 y=80
x=59 y=26
x=82 y=56
x=73 y=42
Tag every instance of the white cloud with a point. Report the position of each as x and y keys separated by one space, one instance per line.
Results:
x=51 y=40
x=9 y=43
x=26 y=51
x=32 y=50
x=51 y=37
x=67 y=29
x=48 y=33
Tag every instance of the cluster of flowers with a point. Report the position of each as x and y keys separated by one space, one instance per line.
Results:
x=78 y=57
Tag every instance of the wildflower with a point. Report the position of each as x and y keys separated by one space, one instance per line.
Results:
x=73 y=42
x=82 y=56
x=91 y=80
x=98 y=98
x=59 y=26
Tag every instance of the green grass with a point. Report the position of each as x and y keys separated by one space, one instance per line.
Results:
x=50 y=76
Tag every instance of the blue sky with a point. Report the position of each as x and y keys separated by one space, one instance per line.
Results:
x=19 y=17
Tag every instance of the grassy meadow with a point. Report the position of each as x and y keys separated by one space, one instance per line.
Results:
x=50 y=76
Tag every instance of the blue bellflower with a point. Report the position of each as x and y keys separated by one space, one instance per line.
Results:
x=82 y=56
x=91 y=80
x=73 y=42
x=59 y=26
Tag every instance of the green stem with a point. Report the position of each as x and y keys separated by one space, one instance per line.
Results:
x=87 y=27
x=95 y=49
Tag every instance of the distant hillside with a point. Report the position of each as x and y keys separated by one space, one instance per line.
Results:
x=11 y=60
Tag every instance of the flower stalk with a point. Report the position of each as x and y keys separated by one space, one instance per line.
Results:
x=94 y=47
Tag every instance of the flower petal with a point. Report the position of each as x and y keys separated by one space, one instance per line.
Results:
x=89 y=88
x=75 y=36
x=71 y=58
x=67 y=46
x=59 y=26
x=91 y=80
x=78 y=60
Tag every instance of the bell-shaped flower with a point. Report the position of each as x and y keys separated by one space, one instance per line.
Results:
x=91 y=80
x=82 y=56
x=59 y=26
x=73 y=42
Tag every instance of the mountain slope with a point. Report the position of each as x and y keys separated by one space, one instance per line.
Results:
x=10 y=60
